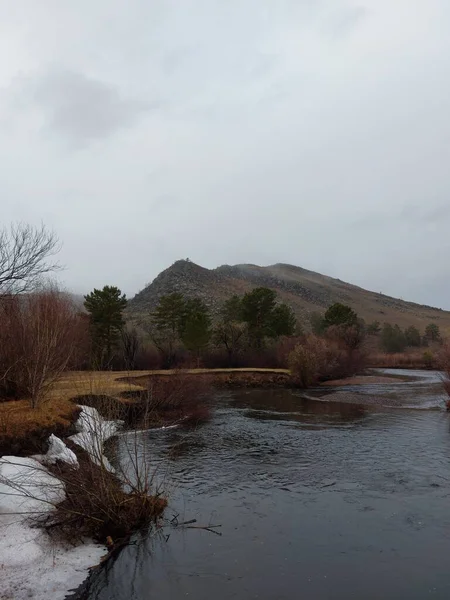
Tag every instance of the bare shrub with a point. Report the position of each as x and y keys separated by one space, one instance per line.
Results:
x=39 y=338
x=102 y=505
x=170 y=399
x=149 y=358
x=283 y=348
x=130 y=346
x=87 y=499
x=319 y=359
x=309 y=360
x=167 y=400
x=10 y=355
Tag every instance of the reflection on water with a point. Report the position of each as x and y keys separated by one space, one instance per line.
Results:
x=315 y=500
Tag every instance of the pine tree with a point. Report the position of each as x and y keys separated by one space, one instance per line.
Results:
x=105 y=308
x=283 y=321
x=340 y=314
x=432 y=332
x=197 y=327
x=257 y=311
x=168 y=321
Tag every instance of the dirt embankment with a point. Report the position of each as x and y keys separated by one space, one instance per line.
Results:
x=221 y=379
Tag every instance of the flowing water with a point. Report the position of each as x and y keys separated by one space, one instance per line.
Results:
x=315 y=500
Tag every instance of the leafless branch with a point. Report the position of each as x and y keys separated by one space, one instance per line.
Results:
x=25 y=253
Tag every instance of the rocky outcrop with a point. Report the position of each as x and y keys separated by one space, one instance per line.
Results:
x=306 y=291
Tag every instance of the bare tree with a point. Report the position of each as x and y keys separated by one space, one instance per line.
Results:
x=231 y=335
x=130 y=346
x=25 y=256
x=46 y=338
x=10 y=356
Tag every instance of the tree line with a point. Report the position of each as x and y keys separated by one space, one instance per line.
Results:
x=43 y=333
x=395 y=339
x=244 y=329
x=179 y=324
x=392 y=338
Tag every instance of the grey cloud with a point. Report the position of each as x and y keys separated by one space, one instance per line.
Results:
x=409 y=214
x=313 y=132
x=343 y=22
x=83 y=108
x=419 y=214
x=437 y=214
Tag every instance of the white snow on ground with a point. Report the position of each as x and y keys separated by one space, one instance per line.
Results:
x=31 y=565
x=93 y=432
x=57 y=451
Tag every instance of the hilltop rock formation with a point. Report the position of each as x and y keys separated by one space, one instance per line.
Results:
x=306 y=291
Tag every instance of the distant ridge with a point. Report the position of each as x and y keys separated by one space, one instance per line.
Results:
x=306 y=291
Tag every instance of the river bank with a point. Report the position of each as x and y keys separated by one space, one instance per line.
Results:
x=161 y=398
x=336 y=500
x=181 y=395
x=61 y=512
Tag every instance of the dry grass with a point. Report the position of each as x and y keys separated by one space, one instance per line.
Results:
x=77 y=383
x=415 y=359
x=18 y=419
x=24 y=429
x=113 y=383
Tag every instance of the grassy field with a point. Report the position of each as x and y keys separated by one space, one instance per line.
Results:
x=57 y=413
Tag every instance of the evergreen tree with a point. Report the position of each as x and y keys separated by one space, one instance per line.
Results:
x=105 y=308
x=168 y=321
x=197 y=327
x=432 y=332
x=232 y=309
x=392 y=338
x=283 y=321
x=340 y=314
x=412 y=335
x=257 y=312
x=318 y=325
x=374 y=328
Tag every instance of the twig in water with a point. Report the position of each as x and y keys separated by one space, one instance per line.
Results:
x=186 y=523
x=210 y=528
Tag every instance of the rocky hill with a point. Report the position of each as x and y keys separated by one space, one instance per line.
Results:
x=306 y=291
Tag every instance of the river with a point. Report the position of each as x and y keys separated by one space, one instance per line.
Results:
x=315 y=500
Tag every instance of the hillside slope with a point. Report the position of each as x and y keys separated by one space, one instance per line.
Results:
x=307 y=292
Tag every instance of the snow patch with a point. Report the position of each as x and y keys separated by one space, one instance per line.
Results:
x=31 y=564
x=93 y=432
x=27 y=487
x=57 y=451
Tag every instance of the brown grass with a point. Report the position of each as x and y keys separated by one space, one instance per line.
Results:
x=415 y=359
x=25 y=430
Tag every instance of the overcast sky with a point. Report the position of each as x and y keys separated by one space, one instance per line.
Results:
x=313 y=132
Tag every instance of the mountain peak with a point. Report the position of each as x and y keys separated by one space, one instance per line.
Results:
x=305 y=291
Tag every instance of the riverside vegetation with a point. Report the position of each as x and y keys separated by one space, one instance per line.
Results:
x=55 y=357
